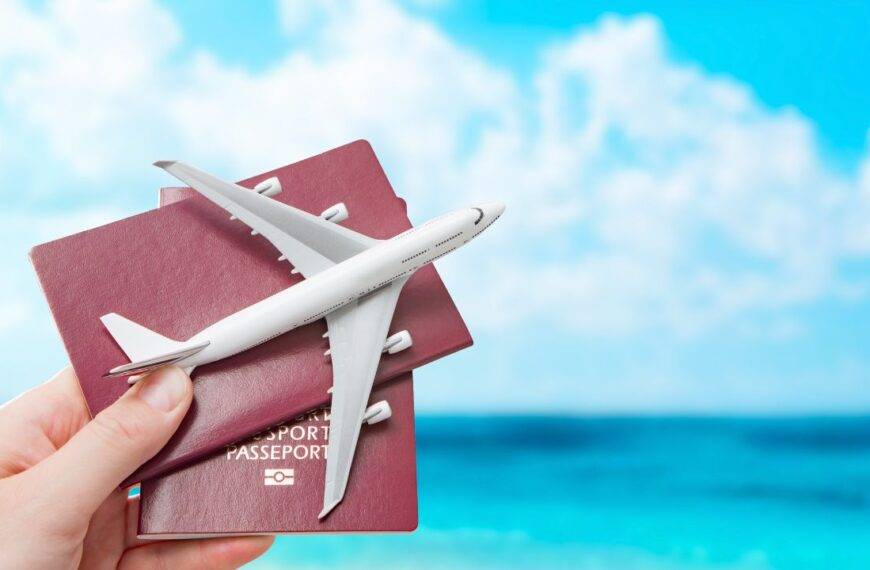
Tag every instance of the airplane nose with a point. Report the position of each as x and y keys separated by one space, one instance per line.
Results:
x=493 y=208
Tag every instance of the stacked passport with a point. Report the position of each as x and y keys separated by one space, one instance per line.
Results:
x=250 y=455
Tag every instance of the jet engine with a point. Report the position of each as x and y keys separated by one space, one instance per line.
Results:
x=269 y=187
x=377 y=413
x=336 y=213
x=398 y=342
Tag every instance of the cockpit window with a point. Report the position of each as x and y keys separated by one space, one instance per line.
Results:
x=479 y=217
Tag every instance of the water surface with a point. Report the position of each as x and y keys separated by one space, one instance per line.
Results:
x=671 y=493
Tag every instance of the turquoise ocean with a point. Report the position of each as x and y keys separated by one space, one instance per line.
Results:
x=624 y=493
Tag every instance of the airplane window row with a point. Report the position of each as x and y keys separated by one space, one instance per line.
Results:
x=313 y=318
x=416 y=255
x=349 y=299
x=454 y=236
x=442 y=254
x=489 y=223
x=391 y=279
x=381 y=284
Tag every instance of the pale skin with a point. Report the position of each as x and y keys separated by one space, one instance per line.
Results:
x=60 y=505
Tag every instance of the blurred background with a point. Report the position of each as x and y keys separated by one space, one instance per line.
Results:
x=671 y=319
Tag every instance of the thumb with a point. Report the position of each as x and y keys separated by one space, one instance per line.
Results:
x=82 y=473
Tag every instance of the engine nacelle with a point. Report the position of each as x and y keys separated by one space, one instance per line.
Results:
x=377 y=413
x=398 y=342
x=335 y=214
x=269 y=187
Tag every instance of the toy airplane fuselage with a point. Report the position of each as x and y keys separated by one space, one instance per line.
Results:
x=312 y=298
x=351 y=280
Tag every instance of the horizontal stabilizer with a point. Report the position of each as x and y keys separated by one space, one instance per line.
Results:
x=143 y=366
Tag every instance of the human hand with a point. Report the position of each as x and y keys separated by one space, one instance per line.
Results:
x=60 y=505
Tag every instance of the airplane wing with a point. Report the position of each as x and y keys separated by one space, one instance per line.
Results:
x=309 y=242
x=357 y=333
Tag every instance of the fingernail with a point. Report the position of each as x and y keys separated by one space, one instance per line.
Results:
x=164 y=389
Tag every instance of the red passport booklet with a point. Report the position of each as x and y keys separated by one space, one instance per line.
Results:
x=273 y=483
x=182 y=267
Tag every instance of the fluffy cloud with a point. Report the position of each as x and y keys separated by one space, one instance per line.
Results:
x=643 y=194
x=87 y=76
x=371 y=71
x=661 y=197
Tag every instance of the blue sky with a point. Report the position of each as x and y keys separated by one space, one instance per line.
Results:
x=806 y=55
x=687 y=191
x=802 y=54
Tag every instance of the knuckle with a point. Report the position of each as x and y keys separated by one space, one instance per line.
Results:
x=119 y=428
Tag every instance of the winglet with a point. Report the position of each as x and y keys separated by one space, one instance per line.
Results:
x=327 y=508
x=164 y=164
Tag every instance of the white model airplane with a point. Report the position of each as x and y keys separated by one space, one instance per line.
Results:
x=351 y=280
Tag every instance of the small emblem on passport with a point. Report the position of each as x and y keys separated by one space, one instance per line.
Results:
x=277 y=477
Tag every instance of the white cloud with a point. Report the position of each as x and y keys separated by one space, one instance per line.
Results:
x=22 y=32
x=299 y=16
x=689 y=204
x=88 y=76
x=643 y=194
x=373 y=72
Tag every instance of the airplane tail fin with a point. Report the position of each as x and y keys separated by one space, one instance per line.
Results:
x=137 y=342
x=145 y=348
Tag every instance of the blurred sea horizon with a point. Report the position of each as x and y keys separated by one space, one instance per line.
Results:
x=643 y=492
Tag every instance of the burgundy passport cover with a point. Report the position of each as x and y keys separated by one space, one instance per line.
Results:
x=182 y=267
x=228 y=492
x=235 y=491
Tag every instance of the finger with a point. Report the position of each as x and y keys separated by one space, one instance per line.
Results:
x=104 y=542
x=45 y=417
x=59 y=396
x=64 y=381
x=93 y=463
x=60 y=406
x=208 y=553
